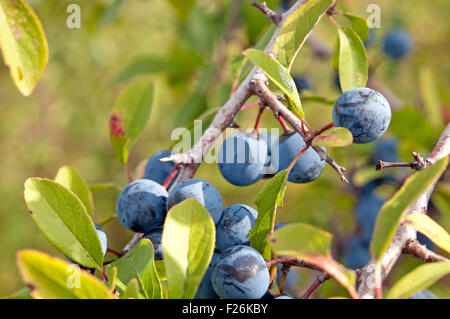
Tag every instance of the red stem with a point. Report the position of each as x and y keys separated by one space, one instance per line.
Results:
x=249 y=105
x=323 y=129
x=118 y=254
x=103 y=274
x=298 y=156
x=127 y=171
x=171 y=176
x=311 y=289
x=258 y=118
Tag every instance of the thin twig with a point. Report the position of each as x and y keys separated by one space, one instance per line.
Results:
x=320 y=279
x=416 y=249
x=269 y=13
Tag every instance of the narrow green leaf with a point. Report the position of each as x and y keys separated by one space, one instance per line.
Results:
x=430 y=95
x=70 y=178
x=392 y=211
x=160 y=269
x=279 y=76
x=359 y=25
x=64 y=221
x=424 y=224
x=301 y=240
x=53 y=278
x=23 y=43
x=188 y=243
x=138 y=263
x=129 y=117
x=132 y=290
x=334 y=137
x=268 y=199
x=420 y=278
x=353 y=64
x=296 y=29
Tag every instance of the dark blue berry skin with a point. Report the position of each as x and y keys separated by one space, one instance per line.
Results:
x=278 y=226
x=285 y=297
x=155 y=236
x=205 y=289
x=336 y=81
x=424 y=294
x=271 y=140
x=367 y=210
x=356 y=254
x=103 y=242
x=267 y=296
x=424 y=240
x=241 y=159
x=240 y=272
x=364 y=112
x=385 y=150
x=369 y=42
x=397 y=43
x=159 y=171
x=302 y=83
x=200 y=190
x=234 y=226
x=307 y=168
x=285 y=5
x=142 y=205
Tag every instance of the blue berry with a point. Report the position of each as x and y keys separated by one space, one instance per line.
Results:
x=159 y=171
x=364 y=112
x=142 y=205
x=367 y=210
x=301 y=83
x=234 y=226
x=155 y=236
x=356 y=254
x=271 y=140
x=397 y=43
x=200 y=190
x=385 y=150
x=285 y=297
x=307 y=168
x=205 y=289
x=240 y=272
x=242 y=158
x=424 y=240
x=424 y=294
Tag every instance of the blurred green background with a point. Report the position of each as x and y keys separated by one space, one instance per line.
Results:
x=189 y=50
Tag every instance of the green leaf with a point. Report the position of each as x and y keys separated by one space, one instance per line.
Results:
x=334 y=137
x=296 y=28
x=23 y=43
x=392 y=211
x=188 y=243
x=268 y=199
x=160 y=269
x=353 y=64
x=420 y=278
x=132 y=290
x=424 y=224
x=62 y=218
x=53 y=278
x=279 y=76
x=430 y=95
x=138 y=263
x=301 y=240
x=359 y=25
x=129 y=117
x=69 y=178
